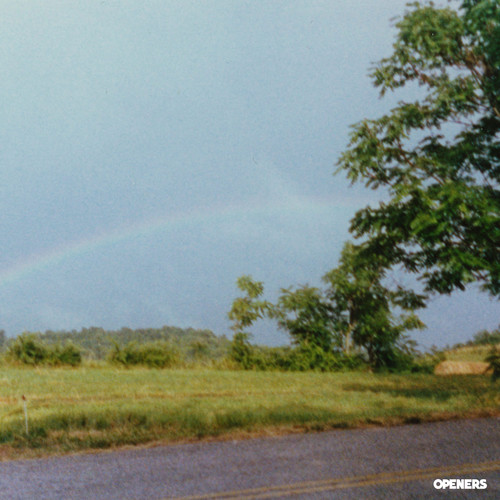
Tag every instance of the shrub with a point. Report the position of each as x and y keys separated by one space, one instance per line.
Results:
x=312 y=357
x=305 y=357
x=242 y=352
x=68 y=354
x=485 y=337
x=152 y=354
x=493 y=359
x=28 y=349
x=426 y=363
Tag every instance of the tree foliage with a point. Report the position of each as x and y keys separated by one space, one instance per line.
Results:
x=493 y=359
x=364 y=306
x=438 y=156
x=485 y=337
x=307 y=316
x=244 y=312
x=355 y=312
x=247 y=309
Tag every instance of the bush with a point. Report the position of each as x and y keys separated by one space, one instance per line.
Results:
x=485 y=337
x=68 y=354
x=426 y=363
x=242 y=352
x=28 y=349
x=310 y=357
x=306 y=357
x=152 y=354
x=493 y=359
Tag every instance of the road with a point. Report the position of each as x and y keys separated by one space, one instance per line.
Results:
x=395 y=463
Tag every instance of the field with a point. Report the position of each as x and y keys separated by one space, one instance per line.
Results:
x=467 y=360
x=468 y=353
x=103 y=407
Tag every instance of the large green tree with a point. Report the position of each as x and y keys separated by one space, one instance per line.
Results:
x=438 y=156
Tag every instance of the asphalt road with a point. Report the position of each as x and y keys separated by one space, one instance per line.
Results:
x=386 y=463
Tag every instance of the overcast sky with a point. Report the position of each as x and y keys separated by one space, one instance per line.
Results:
x=153 y=151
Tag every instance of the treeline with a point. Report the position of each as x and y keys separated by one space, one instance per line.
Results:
x=484 y=337
x=156 y=347
x=96 y=342
x=170 y=347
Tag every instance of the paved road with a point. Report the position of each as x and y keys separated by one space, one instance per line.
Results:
x=395 y=463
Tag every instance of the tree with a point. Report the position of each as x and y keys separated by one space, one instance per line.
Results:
x=363 y=306
x=356 y=309
x=307 y=316
x=493 y=359
x=244 y=312
x=3 y=339
x=439 y=156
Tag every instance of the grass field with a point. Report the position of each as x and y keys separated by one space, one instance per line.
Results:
x=102 y=407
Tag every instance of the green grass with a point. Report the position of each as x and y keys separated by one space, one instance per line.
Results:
x=102 y=407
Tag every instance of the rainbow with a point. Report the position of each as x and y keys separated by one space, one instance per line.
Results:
x=73 y=249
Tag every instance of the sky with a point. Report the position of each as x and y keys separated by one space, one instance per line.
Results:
x=153 y=152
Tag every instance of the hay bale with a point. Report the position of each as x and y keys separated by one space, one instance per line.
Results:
x=461 y=368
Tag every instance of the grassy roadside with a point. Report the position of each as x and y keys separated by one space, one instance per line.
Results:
x=87 y=408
